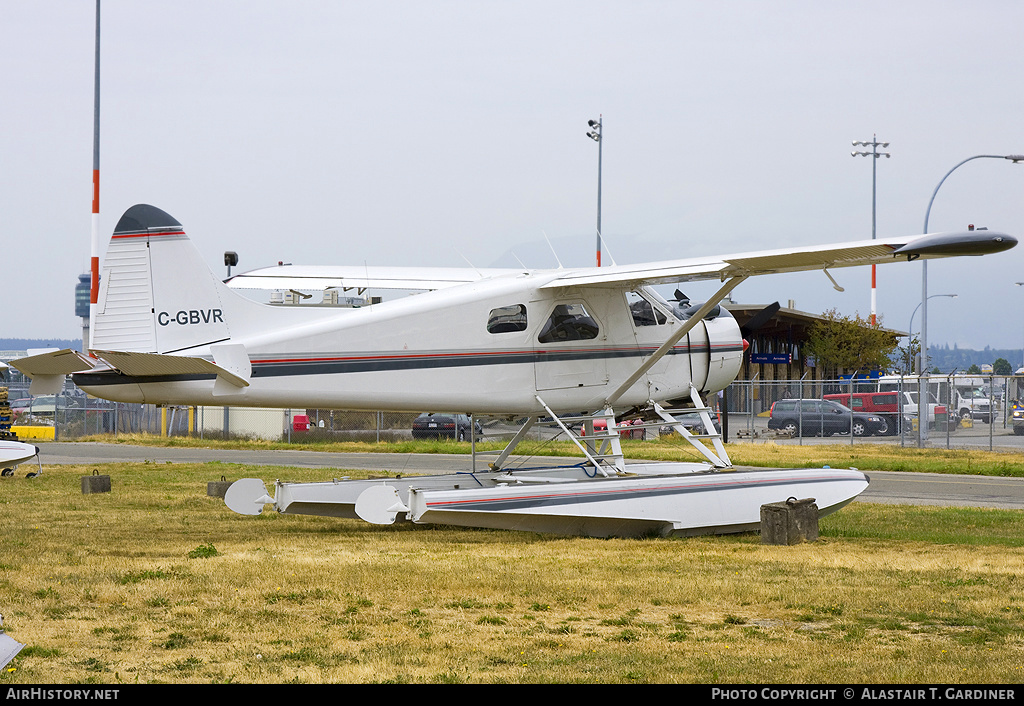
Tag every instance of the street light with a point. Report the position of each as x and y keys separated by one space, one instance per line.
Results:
x=1021 y=284
x=595 y=135
x=1015 y=158
x=910 y=331
x=874 y=145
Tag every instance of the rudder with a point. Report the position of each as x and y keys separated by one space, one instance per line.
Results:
x=156 y=293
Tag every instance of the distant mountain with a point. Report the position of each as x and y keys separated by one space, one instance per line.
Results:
x=948 y=359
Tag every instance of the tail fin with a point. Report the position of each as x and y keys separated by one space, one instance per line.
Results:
x=156 y=293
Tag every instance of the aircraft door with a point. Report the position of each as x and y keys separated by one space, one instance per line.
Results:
x=651 y=326
x=571 y=348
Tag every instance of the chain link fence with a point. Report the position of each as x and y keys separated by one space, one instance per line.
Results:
x=72 y=415
x=961 y=411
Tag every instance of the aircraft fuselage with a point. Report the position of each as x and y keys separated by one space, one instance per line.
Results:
x=491 y=346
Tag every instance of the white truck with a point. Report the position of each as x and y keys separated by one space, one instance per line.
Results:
x=972 y=400
x=937 y=412
x=965 y=397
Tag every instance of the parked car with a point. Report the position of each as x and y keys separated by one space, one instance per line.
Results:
x=891 y=409
x=692 y=422
x=938 y=416
x=822 y=417
x=43 y=405
x=432 y=425
x=885 y=404
x=600 y=426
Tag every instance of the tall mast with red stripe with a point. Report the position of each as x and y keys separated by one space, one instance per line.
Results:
x=94 y=260
x=874 y=154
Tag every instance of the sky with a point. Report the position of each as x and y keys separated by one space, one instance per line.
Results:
x=440 y=132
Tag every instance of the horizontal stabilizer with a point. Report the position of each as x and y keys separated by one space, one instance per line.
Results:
x=63 y=362
x=145 y=364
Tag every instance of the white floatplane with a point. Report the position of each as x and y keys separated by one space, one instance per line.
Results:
x=13 y=453
x=521 y=343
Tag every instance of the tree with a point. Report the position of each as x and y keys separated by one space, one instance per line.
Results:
x=974 y=370
x=905 y=357
x=841 y=343
x=1001 y=366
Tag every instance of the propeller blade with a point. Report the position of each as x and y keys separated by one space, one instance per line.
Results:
x=759 y=319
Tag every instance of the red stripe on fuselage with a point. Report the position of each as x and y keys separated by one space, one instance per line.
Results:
x=466 y=354
x=117 y=236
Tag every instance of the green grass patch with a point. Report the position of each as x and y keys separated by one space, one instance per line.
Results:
x=866 y=457
x=941 y=525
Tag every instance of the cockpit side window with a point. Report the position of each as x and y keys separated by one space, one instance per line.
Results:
x=643 y=312
x=568 y=322
x=506 y=319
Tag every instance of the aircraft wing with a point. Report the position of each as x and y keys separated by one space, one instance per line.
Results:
x=818 y=257
x=814 y=257
x=320 y=277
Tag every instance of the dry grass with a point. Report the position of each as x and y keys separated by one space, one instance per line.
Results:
x=865 y=456
x=155 y=582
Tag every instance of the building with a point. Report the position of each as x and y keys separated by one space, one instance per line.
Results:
x=776 y=347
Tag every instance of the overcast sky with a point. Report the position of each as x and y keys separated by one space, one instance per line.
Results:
x=408 y=133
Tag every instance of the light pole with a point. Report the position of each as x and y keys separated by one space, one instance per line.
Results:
x=1015 y=158
x=1021 y=284
x=910 y=332
x=874 y=154
x=595 y=135
x=94 y=241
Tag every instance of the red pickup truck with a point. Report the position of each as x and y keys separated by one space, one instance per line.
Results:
x=885 y=405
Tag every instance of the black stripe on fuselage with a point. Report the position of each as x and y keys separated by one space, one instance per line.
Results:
x=393 y=362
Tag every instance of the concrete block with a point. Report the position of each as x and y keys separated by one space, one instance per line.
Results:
x=95 y=483
x=217 y=488
x=790 y=522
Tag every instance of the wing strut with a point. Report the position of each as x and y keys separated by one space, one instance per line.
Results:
x=665 y=347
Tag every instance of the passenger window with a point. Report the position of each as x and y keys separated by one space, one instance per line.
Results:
x=643 y=313
x=505 y=319
x=568 y=322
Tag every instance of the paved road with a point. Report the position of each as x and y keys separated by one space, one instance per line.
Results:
x=892 y=488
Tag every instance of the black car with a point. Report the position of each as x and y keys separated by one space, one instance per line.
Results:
x=449 y=426
x=822 y=418
x=693 y=423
